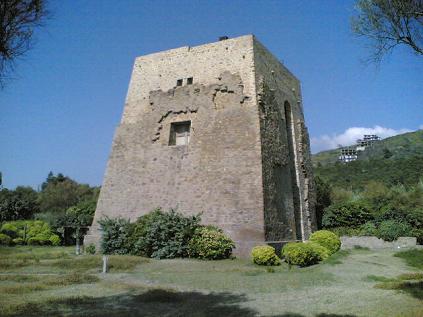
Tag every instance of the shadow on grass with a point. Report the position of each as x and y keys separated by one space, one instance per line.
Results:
x=150 y=303
x=337 y=258
x=414 y=289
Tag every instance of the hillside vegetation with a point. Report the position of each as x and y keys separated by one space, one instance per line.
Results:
x=380 y=194
x=392 y=161
x=397 y=147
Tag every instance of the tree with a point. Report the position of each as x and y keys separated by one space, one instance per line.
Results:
x=388 y=23
x=58 y=193
x=18 y=20
x=20 y=203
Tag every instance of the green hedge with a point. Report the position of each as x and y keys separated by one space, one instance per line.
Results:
x=32 y=232
x=301 y=254
x=346 y=214
x=265 y=255
x=390 y=230
x=116 y=234
x=161 y=234
x=327 y=239
x=210 y=243
x=322 y=252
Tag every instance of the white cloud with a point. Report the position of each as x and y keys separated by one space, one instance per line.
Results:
x=350 y=136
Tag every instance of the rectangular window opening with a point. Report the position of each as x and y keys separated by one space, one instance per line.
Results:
x=190 y=80
x=180 y=133
x=179 y=82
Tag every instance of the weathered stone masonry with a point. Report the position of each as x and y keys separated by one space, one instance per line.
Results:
x=246 y=165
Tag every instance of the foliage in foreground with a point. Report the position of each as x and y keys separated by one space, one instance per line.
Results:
x=379 y=210
x=116 y=234
x=33 y=232
x=265 y=255
x=301 y=254
x=326 y=239
x=160 y=234
x=210 y=243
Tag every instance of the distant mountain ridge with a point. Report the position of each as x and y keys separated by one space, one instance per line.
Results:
x=400 y=146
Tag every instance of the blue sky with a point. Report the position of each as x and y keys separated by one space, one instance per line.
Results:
x=61 y=110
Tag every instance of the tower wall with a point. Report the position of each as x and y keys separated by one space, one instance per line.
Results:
x=219 y=172
x=229 y=170
x=288 y=193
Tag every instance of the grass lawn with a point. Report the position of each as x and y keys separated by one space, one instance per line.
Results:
x=51 y=281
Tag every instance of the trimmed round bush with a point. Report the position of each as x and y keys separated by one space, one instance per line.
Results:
x=18 y=241
x=5 y=239
x=210 y=243
x=390 y=230
x=327 y=239
x=265 y=255
x=320 y=250
x=54 y=240
x=301 y=254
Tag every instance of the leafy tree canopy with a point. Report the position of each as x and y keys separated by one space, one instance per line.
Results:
x=17 y=204
x=388 y=23
x=18 y=20
x=60 y=192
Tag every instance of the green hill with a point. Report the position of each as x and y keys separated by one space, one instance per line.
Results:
x=397 y=147
x=394 y=160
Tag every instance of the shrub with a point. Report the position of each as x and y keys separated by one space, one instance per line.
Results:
x=301 y=254
x=345 y=231
x=368 y=229
x=347 y=214
x=327 y=239
x=38 y=240
x=90 y=249
x=32 y=232
x=415 y=218
x=116 y=235
x=54 y=240
x=9 y=229
x=18 y=241
x=418 y=233
x=162 y=234
x=320 y=250
x=210 y=243
x=390 y=230
x=5 y=239
x=265 y=255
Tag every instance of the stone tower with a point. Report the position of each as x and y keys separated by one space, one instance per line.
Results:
x=218 y=129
